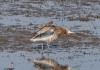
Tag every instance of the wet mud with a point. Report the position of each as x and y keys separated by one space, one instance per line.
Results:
x=19 y=19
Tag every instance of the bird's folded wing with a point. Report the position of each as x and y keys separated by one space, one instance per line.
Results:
x=43 y=31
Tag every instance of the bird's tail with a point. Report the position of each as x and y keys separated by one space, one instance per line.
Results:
x=70 y=32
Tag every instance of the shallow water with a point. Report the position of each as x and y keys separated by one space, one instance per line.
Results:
x=80 y=51
x=79 y=58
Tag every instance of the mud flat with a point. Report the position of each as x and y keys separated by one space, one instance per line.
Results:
x=19 y=19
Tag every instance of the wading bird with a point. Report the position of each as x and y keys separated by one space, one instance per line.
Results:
x=48 y=64
x=48 y=33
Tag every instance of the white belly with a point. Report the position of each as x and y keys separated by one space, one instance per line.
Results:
x=38 y=39
x=44 y=39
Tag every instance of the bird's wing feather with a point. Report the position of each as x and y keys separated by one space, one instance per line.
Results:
x=43 y=31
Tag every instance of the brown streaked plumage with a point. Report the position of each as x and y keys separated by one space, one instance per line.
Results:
x=48 y=33
x=48 y=64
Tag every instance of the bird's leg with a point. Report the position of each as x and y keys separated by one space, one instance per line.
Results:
x=42 y=46
x=60 y=44
x=48 y=46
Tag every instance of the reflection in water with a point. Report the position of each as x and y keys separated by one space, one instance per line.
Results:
x=48 y=64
